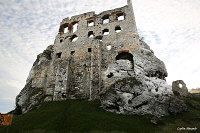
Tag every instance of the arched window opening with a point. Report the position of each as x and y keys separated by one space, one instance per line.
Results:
x=64 y=28
x=90 y=34
x=124 y=56
x=118 y=29
x=74 y=38
x=91 y=23
x=120 y=16
x=75 y=26
x=61 y=40
x=105 y=32
x=105 y=19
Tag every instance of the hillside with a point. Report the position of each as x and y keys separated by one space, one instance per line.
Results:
x=86 y=116
x=195 y=91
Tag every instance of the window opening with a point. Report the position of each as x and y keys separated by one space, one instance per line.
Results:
x=105 y=32
x=90 y=34
x=118 y=29
x=120 y=16
x=90 y=23
x=108 y=47
x=106 y=19
x=89 y=49
x=74 y=38
x=58 y=55
x=72 y=52
x=75 y=26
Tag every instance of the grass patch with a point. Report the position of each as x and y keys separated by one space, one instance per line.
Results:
x=191 y=118
x=87 y=116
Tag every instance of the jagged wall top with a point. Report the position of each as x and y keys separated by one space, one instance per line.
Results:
x=93 y=14
x=89 y=28
x=98 y=19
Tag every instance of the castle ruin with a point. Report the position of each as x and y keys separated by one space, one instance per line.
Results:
x=100 y=56
x=86 y=44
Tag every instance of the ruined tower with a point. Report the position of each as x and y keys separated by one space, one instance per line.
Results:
x=87 y=43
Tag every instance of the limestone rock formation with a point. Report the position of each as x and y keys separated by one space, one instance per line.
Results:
x=101 y=58
x=179 y=88
x=142 y=91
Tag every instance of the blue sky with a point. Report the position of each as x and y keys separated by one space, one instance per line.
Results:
x=27 y=27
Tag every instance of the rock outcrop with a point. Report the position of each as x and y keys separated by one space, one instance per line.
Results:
x=139 y=91
x=179 y=88
x=35 y=90
x=143 y=91
x=102 y=60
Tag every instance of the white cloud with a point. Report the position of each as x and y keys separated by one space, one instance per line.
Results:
x=27 y=27
x=172 y=29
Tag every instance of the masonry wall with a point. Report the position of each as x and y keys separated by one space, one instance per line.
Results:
x=83 y=62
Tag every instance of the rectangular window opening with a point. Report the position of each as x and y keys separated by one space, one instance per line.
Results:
x=58 y=55
x=90 y=23
x=89 y=49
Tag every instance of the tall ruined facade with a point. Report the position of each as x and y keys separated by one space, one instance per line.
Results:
x=86 y=44
x=100 y=56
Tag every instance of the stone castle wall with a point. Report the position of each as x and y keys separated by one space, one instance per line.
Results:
x=86 y=44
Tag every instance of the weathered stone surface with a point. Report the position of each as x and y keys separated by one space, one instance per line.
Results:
x=33 y=93
x=89 y=63
x=179 y=88
x=176 y=106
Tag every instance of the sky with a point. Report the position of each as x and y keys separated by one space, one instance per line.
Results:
x=27 y=27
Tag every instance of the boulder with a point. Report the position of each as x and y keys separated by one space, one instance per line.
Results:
x=179 y=88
